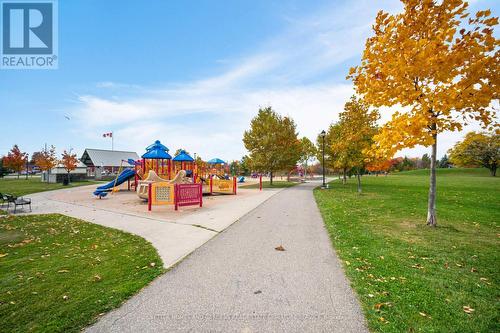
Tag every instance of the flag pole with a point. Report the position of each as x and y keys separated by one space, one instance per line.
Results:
x=112 y=141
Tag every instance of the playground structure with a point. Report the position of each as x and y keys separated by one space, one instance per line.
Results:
x=213 y=174
x=155 y=182
x=300 y=172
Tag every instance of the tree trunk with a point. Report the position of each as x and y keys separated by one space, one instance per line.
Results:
x=431 y=206
x=493 y=170
x=271 y=178
x=344 y=179
x=18 y=174
x=359 y=181
x=68 y=177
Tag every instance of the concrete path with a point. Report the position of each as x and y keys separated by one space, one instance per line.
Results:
x=174 y=239
x=238 y=282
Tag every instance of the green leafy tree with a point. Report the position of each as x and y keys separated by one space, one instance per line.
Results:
x=444 y=162
x=272 y=142
x=178 y=151
x=245 y=165
x=333 y=158
x=477 y=149
x=426 y=161
x=308 y=152
x=358 y=125
x=3 y=170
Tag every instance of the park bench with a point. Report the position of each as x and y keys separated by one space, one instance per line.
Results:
x=16 y=202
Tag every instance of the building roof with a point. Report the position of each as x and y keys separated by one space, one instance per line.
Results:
x=183 y=157
x=107 y=158
x=157 y=151
x=80 y=168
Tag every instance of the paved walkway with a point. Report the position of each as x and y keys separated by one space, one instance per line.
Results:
x=238 y=282
x=174 y=239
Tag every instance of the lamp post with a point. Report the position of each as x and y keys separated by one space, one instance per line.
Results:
x=323 y=134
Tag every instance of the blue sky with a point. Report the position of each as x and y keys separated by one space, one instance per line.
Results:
x=191 y=74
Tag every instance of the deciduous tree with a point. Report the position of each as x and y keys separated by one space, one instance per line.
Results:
x=69 y=162
x=437 y=63
x=308 y=152
x=15 y=160
x=47 y=160
x=358 y=125
x=444 y=162
x=272 y=142
x=477 y=149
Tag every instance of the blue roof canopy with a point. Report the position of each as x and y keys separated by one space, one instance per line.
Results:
x=157 y=145
x=216 y=161
x=157 y=151
x=183 y=157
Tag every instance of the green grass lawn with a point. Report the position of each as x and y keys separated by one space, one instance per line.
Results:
x=24 y=186
x=58 y=274
x=267 y=184
x=410 y=277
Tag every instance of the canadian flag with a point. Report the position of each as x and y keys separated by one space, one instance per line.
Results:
x=110 y=134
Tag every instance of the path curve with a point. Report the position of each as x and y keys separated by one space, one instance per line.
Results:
x=238 y=282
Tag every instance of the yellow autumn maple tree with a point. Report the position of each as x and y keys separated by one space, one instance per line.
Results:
x=440 y=65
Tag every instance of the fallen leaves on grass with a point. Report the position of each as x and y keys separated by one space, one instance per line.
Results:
x=24 y=242
x=3 y=255
x=417 y=266
x=279 y=248
x=468 y=309
x=63 y=271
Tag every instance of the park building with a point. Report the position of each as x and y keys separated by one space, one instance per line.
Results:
x=101 y=162
x=58 y=174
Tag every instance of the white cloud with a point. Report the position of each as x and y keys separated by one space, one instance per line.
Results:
x=208 y=116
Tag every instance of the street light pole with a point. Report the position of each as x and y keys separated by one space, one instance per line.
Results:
x=323 y=134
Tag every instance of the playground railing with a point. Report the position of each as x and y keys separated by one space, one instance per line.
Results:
x=223 y=185
x=161 y=193
x=188 y=195
x=179 y=195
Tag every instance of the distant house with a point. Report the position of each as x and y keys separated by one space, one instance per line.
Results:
x=100 y=162
x=59 y=173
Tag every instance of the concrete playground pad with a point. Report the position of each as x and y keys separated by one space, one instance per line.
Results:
x=175 y=234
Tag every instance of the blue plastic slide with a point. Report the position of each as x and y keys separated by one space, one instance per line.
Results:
x=125 y=175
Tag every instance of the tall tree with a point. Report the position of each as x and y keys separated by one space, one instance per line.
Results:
x=444 y=162
x=437 y=63
x=245 y=165
x=69 y=162
x=15 y=160
x=3 y=168
x=477 y=149
x=358 y=126
x=272 y=142
x=334 y=159
x=308 y=152
x=47 y=160
x=426 y=161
